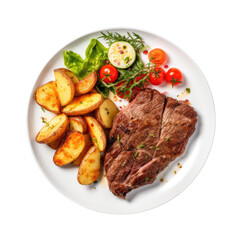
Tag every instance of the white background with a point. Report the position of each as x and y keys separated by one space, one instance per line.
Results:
x=32 y=32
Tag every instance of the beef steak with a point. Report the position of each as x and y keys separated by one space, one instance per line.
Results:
x=146 y=136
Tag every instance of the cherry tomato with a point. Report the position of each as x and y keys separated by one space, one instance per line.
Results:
x=135 y=90
x=108 y=73
x=174 y=76
x=158 y=76
x=119 y=92
x=157 y=56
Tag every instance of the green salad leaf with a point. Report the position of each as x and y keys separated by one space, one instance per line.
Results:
x=95 y=56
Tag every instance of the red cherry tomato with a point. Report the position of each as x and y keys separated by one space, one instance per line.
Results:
x=135 y=90
x=174 y=76
x=158 y=76
x=119 y=92
x=145 y=84
x=108 y=73
x=157 y=56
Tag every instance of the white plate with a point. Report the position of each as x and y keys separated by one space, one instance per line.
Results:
x=99 y=197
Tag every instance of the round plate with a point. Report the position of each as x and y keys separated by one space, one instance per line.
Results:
x=170 y=182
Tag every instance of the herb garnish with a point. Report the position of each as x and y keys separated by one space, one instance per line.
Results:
x=96 y=141
x=44 y=121
x=147 y=178
x=188 y=90
x=134 y=39
x=128 y=79
x=43 y=109
x=107 y=111
x=167 y=139
x=155 y=147
x=127 y=59
x=141 y=146
x=135 y=155
x=146 y=156
x=118 y=139
x=151 y=135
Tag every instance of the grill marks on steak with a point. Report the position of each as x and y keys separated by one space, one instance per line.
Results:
x=127 y=166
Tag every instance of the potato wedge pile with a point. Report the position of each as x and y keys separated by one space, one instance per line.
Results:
x=77 y=136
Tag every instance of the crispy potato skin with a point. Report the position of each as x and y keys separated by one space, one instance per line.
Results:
x=65 y=87
x=78 y=124
x=83 y=104
x=55 y=144
x=87 y=84
x=96 y=133
x=106 y=113
x=70 y=74
x=89 y=169
x=47 y=97
x=53 y=130
x=69 y=149
x=84 y=151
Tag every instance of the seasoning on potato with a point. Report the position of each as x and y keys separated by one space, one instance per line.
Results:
x=96 y=133
x=47 y=97
x=89 y=169
x=84 y=151
x=83 y=104
x=70 y=149
x=78 y=124
x=87 y=84
x=65 y=87
x=106 y=113
x=53 y=129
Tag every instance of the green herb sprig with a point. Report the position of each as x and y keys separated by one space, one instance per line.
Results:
x=128 y=80
x=134 y=39
x=141 y=145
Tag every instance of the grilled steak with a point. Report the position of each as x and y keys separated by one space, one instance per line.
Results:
x=146 y=136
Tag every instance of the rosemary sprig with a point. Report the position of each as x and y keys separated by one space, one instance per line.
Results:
x=130 y=82
x=134 y=39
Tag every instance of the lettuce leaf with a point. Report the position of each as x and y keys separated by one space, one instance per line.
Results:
x=95 y=56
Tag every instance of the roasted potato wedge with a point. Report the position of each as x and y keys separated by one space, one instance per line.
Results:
x=106 y=113
x=55 y=144
x=96 y=133
x=70 y=148
x=84 y=151
x=53 y=130
x=70 y=74
x=47 y=97
x=87 y=84
x=89 y=169
x=83 y=104
x=65 y=87
x=78 y=124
